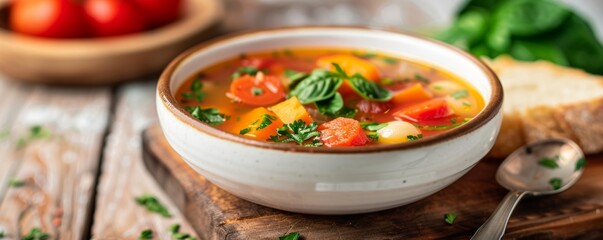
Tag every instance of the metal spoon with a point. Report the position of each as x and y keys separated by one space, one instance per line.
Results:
x=542 y=168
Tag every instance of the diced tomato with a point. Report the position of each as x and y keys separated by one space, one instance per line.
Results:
x=258 y=90
x=342 y=132
x=372 y=107
x=425 y=111
x=259 y=63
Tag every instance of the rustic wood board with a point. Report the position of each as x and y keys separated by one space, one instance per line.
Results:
x=123 y=178
x=216 y=214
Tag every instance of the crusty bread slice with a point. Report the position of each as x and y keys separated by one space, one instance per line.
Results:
x=543 y=100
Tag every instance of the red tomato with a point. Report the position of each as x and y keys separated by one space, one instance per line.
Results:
x=258 y=90
x=114 y=17
x=160 y=12
x=48 y=18
x=259 y=63
x=426 y=111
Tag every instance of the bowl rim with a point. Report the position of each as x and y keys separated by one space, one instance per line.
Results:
x=169 y=101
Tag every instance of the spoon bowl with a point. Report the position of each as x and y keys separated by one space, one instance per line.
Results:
x=545 y=167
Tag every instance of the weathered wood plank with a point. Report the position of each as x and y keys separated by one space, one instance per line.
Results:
x=216 y=214
x=123 y=178
x=59 y=170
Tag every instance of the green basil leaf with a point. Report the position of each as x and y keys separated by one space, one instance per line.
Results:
x=368 y=89
x=320 y=85
x=331 y=105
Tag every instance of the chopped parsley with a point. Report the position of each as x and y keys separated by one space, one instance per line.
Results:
x=151 y=203
x=372 y=126
x=421 y=78
x=549 y=162
x=266 y=121
x=146 y=234
x=35 y=132
x=245 y=131
x=555 y=183
x=16 y=183
x=414 y=138
x=196 y=92
x=174 y=228
x=2 y=234
x=210 y=116
x=288 y=52
x=466 y=104
x=453 y=120
x=368 y=54
x=257 y=91
x=437 y=87
x=373 y=136
x=176 y=234
x=459 y=94
x=36 y=234
x=298 y=132
x=387 y=81
x=450 y=218
x=580 y=163
x=247 y=70
x=290 y=236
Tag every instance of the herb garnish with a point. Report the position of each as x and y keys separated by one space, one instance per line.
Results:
x=294 y=77
x=4 y=134
x=368 y=54
x=387 y=81
x=16 y=183
x=257 y=91
x=210 y=116
x=549 y=162
x=555 y=183
x=151 y=203
x=414 y=138
x=176 y=234
x=36 y=234
x=290 y=236
x=450 y=218
x=389 y=60
x=195 y=92
x=334 y=107
x=245 y=131
x=35 y=132
x=466 y=104
x=266 y=121
x=2 y=234
x=373 y=136
x=298 y=132
x=247 y=70
x=580 y=163
x=366 y=89
x=459 y=94
x=421 y=78
x=146 y=234
x=372 y=126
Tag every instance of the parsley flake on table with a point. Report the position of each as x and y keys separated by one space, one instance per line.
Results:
x=548 y=163
x=16 y=183
x=146 y=234
x=290 y=236
x=35 y=132
x=151 y=203
x=450 y=218
x=298 y=132
x=211 y=116
x=36 y=234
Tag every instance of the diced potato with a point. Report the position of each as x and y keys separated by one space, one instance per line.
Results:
x=444 y=87
x=290 y=110
x=397 y=132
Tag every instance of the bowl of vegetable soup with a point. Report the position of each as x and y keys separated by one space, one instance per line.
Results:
x=329 y=120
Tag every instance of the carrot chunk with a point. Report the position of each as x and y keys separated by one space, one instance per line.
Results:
x=258 y=90
x=290 y=110
x=342 y=132
x=425 y=111
x=415 y=93
x=259 y=124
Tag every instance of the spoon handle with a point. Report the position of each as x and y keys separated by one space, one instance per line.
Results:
x=495 y=226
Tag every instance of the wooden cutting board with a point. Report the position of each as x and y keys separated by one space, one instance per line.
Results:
x=216 y=214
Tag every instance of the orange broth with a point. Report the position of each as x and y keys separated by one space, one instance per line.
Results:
x=396 y=75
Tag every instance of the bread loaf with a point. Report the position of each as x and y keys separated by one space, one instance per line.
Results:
x=543 y=100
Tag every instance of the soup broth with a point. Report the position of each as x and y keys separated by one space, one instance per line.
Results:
x=328 y=98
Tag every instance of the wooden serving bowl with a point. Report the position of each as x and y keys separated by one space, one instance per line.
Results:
x=94 y=61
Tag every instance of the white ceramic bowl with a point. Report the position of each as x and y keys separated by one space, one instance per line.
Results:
x=330 y=180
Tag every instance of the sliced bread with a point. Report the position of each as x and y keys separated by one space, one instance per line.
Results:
x=543 y=100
